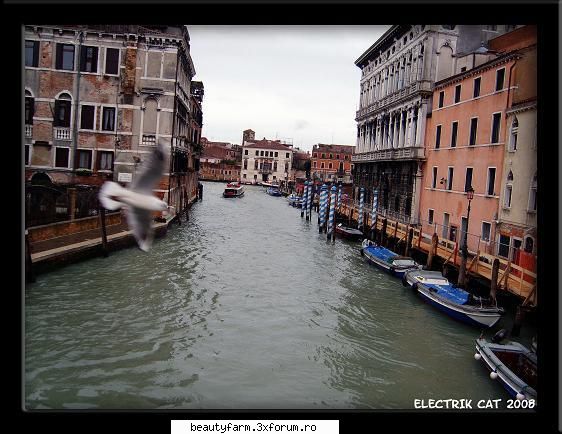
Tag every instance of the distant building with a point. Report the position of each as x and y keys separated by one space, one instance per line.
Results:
x=266 y=161
x=220 y=161
x=332 y=162
x=98 y=98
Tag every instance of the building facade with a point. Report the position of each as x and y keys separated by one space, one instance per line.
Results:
x=332 y=162
x=98 y=99
x=398 y=74
x=220 y=161
x=266 y=161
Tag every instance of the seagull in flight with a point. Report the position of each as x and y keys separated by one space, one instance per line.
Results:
x=138 y=199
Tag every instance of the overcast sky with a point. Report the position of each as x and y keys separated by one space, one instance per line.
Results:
x=296 y=83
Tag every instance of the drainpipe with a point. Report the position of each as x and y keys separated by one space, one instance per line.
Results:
x=76 y=107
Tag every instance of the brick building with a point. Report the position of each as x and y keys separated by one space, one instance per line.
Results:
x=332 y=162
x=220 y=161
x=98 y=98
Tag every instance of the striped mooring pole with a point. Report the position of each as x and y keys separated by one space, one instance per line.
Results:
x=332 y=212
x=361 y=202
x=322 y=213
x=374 y=210
x=339 y=197
x=303 y=203
x=310 y=194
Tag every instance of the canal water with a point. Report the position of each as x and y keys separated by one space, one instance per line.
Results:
x=246 y=306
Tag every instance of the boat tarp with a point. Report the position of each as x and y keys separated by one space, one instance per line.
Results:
x=381 y=253
x=456 y=295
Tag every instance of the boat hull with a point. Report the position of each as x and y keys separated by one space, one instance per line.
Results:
x=463 y=313
x=385 y=266
x=507 y=378
x=349 y=233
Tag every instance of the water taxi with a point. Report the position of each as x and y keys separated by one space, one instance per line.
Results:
x=233 y=189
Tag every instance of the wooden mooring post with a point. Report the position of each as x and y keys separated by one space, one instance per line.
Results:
x=432 y=251
x=383 y=232
x=519 y=315
x=103 y=232
x=494 y=278
x=410 y=232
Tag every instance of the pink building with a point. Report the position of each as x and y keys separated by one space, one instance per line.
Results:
x=465 y=147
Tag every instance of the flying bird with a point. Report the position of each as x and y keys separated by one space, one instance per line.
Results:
x=138 y=199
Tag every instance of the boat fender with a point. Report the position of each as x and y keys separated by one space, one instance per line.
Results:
x=477 y=356
x=493 y=375
x=499 y=336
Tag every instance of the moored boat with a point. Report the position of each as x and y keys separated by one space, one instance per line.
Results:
x=233 y=189
x=347 y=232
x=388 y=260
x=512 y=364
x=274 y=191
x=294 y=200
x=455 y=302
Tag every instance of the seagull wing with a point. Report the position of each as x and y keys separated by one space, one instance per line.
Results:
x=140 y=223
x=151 y=173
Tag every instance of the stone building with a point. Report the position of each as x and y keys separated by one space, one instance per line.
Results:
x=266 y=161
x=398 y=74
x=220 y=161
x=99 y=98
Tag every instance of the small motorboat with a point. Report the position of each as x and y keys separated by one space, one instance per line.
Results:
x=387 y=260
x=266 y=184
x=349 y=233
x=294 y=200
x=512 y=364
x=455 y=302
x=233 y=189
x=274 y=191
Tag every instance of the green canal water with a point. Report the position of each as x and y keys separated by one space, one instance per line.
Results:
x=246 y=306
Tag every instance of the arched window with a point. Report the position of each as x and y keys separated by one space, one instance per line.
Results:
x=63 y=107
x=533 y=194
x=508 y=190
x=513 y=138
x=29 y=108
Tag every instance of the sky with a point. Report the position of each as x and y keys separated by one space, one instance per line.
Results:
x=294 y=83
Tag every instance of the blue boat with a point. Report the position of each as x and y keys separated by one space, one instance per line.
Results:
x=455 y=302
x=387 y=260
x=274 y=191
x=294 y=200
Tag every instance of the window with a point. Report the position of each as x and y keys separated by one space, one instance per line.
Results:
x=27 y=154
x=445 y=225
x=323 y=155
x=491 y=181
x=507 y=199
x=337 y=156
x=438 y=137
x=32 y=53
x=473 y=129
x=331 y=156
x=486 y=230
x=287 y=155
x=244 y=176
x=457 y=93
x=329 y=165
x=503 y=247
x=345 y=157
x=454 y=130
x=533 y=195
x=245 y=152
x=277 y=154
x=112 y=61
x=434 y=180
x=529 y=242
x=476 y=92
x=463 y=69
x=500 y=76
x=314 y=164
x=430 y=216
x=89 y=59
x=441 y=98
x=29 y=108
x=267 y=153
x=65 y=57
x=261 y=153
x=255 y=165
x=108 y=119
x=87 y=117
x=314 y=155
x=321 y=165
x=105 y=160
x=495 y=128
x=255 y=177
x=62 y=111
x=275 y=166
x=61 y=157
x=468 y=179
x=257 y=152
x=245 y=164
x=512 y=147
x=450 y=178
x=84 y=159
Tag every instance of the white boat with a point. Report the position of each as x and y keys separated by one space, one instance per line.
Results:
x=233 y=189
x=512 y=364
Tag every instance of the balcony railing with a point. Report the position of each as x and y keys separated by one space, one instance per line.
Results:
x=390 y=154
x=148 y=140
x=62 y=133
x=28 y=130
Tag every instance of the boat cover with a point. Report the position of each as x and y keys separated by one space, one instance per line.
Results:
x=456 y=295
x=381 y=253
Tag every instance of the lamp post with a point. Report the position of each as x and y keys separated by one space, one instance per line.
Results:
x=462 y=271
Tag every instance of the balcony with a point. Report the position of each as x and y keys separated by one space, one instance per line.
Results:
x=390 y=155
x=148 y=140
x=423 y=86
x=62 y=133
x=28 y=131
x=265 y=171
